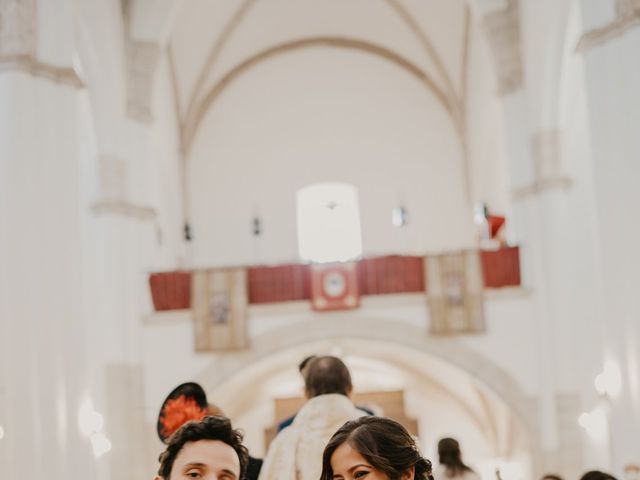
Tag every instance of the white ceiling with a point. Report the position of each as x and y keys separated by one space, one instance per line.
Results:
x=209 y=38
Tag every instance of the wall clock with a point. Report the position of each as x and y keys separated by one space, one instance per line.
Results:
x=334 y=286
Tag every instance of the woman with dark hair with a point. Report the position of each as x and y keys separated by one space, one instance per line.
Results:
x=373 y=448
x=597 y=475
x=451 y=464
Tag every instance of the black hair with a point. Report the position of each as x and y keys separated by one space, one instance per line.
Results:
x=209 y=428
x=304 y=363
x=385 y=445
x=327 y=375
x=450 y=456
x=551 y=476
x=597 y=475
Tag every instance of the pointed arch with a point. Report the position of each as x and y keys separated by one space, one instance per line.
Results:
x=194 y=121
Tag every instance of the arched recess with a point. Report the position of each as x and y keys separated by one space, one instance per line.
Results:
x=192 y=124
x=221 y=372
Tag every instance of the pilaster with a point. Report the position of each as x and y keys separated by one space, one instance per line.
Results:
x=503 y=32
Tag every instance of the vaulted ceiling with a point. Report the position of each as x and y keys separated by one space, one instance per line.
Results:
x=211 y=43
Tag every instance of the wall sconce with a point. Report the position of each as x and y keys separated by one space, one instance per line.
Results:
x=1 y=432
x=256 y=225
x=399 y=216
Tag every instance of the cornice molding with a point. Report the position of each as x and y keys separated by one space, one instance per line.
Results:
x=125 y=209
x=540 y=186
x=546 y=150
x=34 y=67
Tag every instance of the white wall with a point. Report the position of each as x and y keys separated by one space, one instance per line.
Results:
x=612 y=78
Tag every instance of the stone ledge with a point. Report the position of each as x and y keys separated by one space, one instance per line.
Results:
x=169 y=317
x=540 y=186
x=34 y=67
x=304 y=306
x=125 y=209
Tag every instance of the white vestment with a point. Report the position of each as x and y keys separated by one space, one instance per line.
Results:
x=296 y=453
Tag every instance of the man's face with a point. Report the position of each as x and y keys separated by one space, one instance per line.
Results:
x=206 y=460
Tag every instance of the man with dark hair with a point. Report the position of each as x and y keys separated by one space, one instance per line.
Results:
x=186 y=402
x=209 y=449
x=296 y=453
x=327 y=375
x=325 y=379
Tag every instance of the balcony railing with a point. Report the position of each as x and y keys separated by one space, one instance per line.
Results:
x=376 y=276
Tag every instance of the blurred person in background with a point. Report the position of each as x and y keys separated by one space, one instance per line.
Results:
x=451 y=465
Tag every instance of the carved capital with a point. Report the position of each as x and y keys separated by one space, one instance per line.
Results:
x=142 y=60
x=113 y=196
x=547 y=165
x=18 y=44
x=545 y=147
x=124 y=209
x=17 y=28
x=503 y=32
x=113 y=179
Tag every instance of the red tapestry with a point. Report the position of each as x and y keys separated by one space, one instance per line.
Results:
x=501 y=267
x=375 y=276
x=170 y=290
x=280 y=283
x=391 y=274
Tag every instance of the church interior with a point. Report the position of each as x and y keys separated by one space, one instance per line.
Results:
x=440 y=193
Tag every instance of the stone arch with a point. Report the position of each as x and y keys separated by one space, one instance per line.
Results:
x=193 y=123
x=447 y=349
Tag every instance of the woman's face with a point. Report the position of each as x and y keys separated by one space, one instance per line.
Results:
x=348 y=464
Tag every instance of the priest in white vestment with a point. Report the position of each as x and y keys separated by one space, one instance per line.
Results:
x=296 y=453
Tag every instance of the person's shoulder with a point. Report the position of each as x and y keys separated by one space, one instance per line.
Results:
x=286 y=422
x=253 y=468
x=281 y=437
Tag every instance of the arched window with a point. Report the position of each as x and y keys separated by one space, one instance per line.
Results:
x=328 y=223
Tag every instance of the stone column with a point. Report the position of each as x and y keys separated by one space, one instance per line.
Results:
x=534 y=172
x=609 y=47
x=43 y=379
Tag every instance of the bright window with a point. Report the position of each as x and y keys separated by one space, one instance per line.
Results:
x=328 y=223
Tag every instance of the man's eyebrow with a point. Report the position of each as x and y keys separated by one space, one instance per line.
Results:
x=203 y=465
x=194 y=464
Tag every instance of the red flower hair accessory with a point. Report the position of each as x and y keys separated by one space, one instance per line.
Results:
x=179 y=411
x=186 y=402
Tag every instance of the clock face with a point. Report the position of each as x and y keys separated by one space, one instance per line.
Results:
x=334 y=287
x=334 y=284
